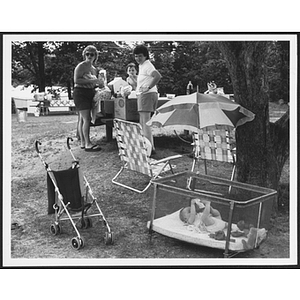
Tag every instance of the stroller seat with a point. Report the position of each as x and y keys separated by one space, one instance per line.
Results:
x=71 y=186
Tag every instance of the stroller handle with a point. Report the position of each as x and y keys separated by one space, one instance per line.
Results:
x=37 y=143
x=68 y=144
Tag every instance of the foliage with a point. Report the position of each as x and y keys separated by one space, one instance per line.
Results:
x=177 y=61
x=277 y=63
x=24 y=63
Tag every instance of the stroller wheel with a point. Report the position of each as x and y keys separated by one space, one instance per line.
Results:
x=77 y=242
x=55 y=229
x=109 y=238
x=82 y=243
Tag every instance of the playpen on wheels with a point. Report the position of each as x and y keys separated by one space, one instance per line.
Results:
x=70 y=198
x=243 y=204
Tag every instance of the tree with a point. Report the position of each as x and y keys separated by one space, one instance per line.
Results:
x=262 y=147
x=182 y=61
x=41 y=67
x=284 y=48
x=277 y=64
x=162 y=53
x=28 y=63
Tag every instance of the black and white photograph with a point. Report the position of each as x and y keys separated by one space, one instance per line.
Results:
x=150 y=149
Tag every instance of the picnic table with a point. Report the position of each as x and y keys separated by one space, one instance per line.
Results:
x=109 y=123
x=106 y=110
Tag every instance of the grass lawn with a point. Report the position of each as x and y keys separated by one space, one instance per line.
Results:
x=126 y=211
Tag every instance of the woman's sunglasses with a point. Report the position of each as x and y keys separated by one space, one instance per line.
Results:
x=89 y=54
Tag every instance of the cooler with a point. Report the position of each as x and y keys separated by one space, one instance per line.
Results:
x=126 y=109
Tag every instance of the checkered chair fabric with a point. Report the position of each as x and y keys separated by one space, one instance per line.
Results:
x=132 y=147
x=133 y=153
x=213 y=144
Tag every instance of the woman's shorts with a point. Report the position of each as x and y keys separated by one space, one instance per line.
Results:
x=147 y=102
x=83 y=98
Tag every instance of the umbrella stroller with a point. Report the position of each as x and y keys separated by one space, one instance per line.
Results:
x=70 y=197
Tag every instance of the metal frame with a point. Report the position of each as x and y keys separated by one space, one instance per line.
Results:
x=60 y=207
x=162 y=184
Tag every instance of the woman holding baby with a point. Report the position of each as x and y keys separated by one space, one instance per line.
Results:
x=86 y=80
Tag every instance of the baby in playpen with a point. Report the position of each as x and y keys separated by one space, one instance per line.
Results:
x=202 y=216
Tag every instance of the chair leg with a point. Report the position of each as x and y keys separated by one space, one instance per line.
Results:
x=193 y=165
x=205 y=166
x=233 y=173
x=189 y=181
x=232 y=177
x=114 y=180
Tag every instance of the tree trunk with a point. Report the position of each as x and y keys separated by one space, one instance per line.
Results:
x=262 y=148
x=41 y=63
x=69 y=90
x=284 y=47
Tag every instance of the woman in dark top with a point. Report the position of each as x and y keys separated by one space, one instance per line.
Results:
x=85 y=78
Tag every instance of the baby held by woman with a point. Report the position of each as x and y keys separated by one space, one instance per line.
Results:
x=202 y=216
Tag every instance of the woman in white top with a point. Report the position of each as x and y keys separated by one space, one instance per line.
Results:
x=147 y=95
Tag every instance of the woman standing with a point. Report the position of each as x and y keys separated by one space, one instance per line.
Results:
x=147 y=95
x=85 y=78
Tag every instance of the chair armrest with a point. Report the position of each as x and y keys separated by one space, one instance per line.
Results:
x=155 y=162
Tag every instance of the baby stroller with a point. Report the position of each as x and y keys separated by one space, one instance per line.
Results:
x=70 y=197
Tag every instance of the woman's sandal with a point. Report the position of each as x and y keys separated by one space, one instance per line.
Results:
x=94 y=148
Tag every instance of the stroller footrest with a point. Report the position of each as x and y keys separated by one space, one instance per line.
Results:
x=85 y=206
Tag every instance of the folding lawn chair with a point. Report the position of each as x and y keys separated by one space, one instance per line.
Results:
x=214 y=143
x=133 y=153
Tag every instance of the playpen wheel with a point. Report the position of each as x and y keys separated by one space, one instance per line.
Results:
x=77 y=243
x=109 y=238
x=55 y=229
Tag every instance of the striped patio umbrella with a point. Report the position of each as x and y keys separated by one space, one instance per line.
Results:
x=197 y=110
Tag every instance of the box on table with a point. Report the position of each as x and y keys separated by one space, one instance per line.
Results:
x=107 y=107
x=126 y=109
